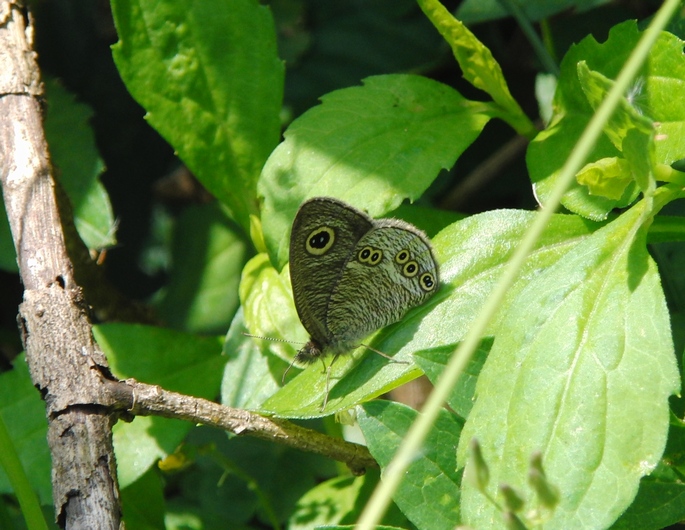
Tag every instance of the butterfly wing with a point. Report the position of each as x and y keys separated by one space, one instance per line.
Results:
x=391 y=270
x=324 y=234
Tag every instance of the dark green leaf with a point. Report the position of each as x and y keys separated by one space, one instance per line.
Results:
x=23 y=412
x=210 y=79
x=75 y=154
x=429 y=492
x=143 y=503
x=433 y=363
x=207 y=258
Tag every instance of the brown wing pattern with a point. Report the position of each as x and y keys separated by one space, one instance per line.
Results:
x=313 y=276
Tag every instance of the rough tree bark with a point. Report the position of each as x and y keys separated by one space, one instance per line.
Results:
x=82 y=398
x=65 y=363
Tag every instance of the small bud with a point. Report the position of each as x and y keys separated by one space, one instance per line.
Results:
x=547 y=493
x=512 y=499
x=478 y=472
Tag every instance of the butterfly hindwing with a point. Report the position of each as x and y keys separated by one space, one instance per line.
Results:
x=392 y=269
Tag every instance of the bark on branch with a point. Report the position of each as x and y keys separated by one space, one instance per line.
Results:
x=56 y=332
x=150 y=400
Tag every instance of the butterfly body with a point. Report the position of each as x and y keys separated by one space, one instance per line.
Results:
x=352 y=275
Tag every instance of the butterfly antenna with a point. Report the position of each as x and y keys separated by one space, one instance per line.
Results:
x=391 y=359
x=273 y=339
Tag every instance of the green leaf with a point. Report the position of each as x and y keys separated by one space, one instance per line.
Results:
x=629 y=131
x=471 y=254
x=354 y=378
x=625 y=118
x=208 y=256
x=143 y=503
x=433 y=362
x=372 y=146
x=210 y=79
x=580 y=340
x=339 y=495
x=269 y=311
x=253 y=372
x=339 y=501
x=657 y=505
x=74 y=152
x=476 y=11
x=652 y=96
x=23 y=413
x=477 y=64
x=176 y=361
x=608 y=177
x=429 y=492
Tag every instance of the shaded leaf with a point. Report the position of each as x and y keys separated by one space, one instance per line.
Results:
x=23 y=413
x=74 y=152
x=208 y=255
x=209 y=76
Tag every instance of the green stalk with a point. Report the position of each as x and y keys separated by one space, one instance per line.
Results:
x=514 y=9
x=9 y=461
x=395 y=471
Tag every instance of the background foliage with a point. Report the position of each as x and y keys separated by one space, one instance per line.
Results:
x=189 y=209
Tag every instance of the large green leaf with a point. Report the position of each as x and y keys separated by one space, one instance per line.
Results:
x=372 y=146
x=581 y=370
x=210 y=79
x=176 y=361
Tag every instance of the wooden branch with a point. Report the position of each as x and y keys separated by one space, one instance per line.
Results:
x=150 y=400
x=60 y=349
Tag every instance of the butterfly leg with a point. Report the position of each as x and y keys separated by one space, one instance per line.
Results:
x=328 y=379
